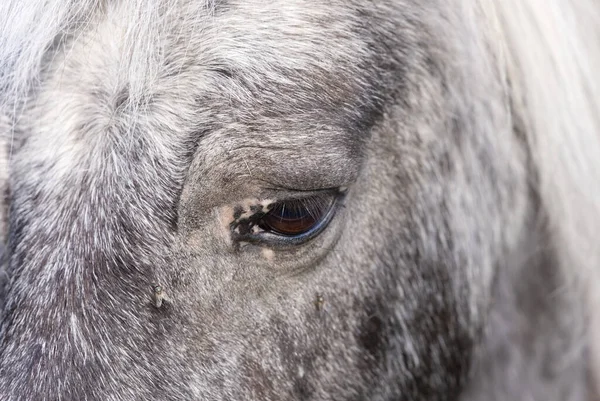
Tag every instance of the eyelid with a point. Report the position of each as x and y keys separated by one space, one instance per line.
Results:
x=280 y=192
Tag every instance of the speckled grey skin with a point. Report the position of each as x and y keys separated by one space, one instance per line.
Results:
x=140 y=131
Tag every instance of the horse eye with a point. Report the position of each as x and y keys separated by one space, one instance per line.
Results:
x=295 y=217
x=288 y=222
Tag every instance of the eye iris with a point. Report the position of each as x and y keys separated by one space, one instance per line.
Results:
x=290 y=218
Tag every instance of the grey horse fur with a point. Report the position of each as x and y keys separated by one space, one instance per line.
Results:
x=462 y=139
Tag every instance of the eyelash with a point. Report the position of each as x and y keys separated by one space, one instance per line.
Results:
x=288 y=222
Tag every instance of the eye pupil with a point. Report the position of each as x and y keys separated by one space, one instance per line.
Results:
x=291 y=218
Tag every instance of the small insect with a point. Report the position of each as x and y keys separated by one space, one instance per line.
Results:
x=319 y=302
x=158 y=295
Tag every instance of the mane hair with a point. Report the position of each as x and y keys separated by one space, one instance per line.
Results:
x=554 y=52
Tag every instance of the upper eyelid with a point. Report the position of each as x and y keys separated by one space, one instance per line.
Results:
x=281 y=193
x=286 y=165
x=292 y=191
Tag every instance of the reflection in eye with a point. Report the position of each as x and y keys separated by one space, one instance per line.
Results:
x=296 y=216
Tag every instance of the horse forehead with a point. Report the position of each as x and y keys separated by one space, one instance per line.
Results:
x=284 y=75
x=257 y=57
x=264 y=40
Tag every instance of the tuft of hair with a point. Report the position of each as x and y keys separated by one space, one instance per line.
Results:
x=32 y=31
x=28 y=30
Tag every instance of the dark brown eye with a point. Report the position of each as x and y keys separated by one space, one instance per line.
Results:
x=297 y=216
x=287 y=222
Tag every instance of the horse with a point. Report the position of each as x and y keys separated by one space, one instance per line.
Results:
x=299 y=199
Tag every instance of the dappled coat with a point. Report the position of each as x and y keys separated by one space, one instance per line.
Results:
x=299 y=199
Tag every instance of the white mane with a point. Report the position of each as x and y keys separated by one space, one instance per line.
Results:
x=555 y=50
